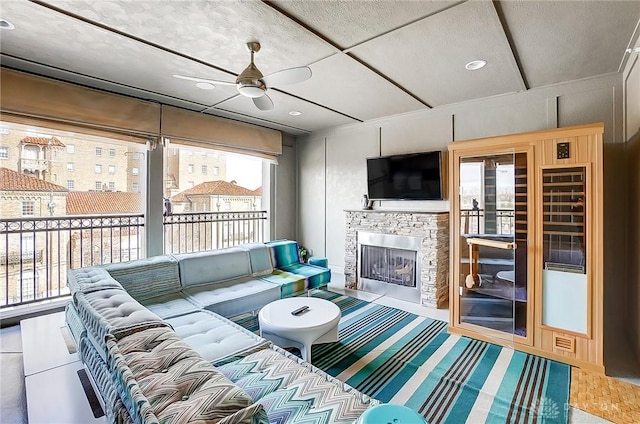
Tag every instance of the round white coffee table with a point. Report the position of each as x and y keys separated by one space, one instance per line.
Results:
x=319 y=324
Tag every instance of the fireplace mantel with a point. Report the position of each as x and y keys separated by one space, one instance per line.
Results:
x=431 y=227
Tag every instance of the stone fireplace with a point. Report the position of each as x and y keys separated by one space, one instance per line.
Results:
x=402 y=254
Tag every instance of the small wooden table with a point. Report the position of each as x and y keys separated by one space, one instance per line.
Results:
x=319 y=324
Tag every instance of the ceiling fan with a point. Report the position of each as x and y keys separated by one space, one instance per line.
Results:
x=251 y=83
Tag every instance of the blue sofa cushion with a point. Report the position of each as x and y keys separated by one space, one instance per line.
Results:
x=147 y=278
x=290 y=284
x=85 y=280
x=213 y=266
x=215 y=337
x=260 y=258
x=170 y=305
x=234 y=297
x=113 y=312
x=285 y=252
x=316 y=275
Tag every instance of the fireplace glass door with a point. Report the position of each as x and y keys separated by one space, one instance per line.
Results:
x=389 y=265
x=493 y=244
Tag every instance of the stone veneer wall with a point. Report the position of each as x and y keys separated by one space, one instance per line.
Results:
x=433 y=227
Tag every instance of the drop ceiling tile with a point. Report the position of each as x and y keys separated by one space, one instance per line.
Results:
x=345 y=85
x=348 y=23
x=43 y=36
x=313 y=117
x=428 y=57
x=213 y=31
x=563 y=41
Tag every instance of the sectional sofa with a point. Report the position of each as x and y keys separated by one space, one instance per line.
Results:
x=155 y=337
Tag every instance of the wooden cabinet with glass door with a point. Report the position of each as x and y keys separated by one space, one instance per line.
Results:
x=526 y=242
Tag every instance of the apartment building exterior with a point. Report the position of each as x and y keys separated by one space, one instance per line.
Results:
x=68 y=202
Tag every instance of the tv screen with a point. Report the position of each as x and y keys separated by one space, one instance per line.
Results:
x=415 y=176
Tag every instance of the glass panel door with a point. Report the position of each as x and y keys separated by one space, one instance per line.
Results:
x=493 y=244
x=564 y=274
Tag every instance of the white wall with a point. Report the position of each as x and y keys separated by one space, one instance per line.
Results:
x=334 y=179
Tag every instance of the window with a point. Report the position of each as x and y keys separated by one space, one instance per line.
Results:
x=28 y=208
x=135 y=170
x=98 y=185
x=4 y=152
x=112 y=186
x=71 y=148
x=71 y=185
x=98 y=151
x=134 y=187
x=112 y=169
x=27 y=284
x=191 y=168
x=112 y=153
x=70 y=167
x=98 y=168
x=27 y=245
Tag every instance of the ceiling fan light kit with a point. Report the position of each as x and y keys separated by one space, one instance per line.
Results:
x=251 y=82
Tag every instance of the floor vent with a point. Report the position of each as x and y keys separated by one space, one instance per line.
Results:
x=68 y=340
x=94 y=403
x=565 y=343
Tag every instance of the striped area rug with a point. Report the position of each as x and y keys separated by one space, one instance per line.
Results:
x=398 y=357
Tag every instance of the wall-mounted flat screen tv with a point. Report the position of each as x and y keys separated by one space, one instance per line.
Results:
x=415 y=176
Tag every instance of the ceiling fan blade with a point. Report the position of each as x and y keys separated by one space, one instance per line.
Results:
x=263 y=102
x=288 y=76
x=194 y=79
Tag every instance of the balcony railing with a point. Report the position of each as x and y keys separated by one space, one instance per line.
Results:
x=474 y=221
x=35 y=164
x=36 y=253
x=197 y=231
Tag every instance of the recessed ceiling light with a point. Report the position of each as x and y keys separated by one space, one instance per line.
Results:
x=205 y=86
x=474 y=65
x=295 y=113
x=4 y=24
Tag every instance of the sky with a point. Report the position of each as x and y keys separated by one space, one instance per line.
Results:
x=246 y=171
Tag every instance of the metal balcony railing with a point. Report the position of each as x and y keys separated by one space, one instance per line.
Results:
x=36 y=253
x=475 y=221
x=197 y=231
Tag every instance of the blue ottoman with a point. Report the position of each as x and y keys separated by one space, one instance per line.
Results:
x=389 y=413
x=318 y=261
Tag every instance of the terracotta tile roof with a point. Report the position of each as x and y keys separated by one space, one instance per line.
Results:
x=43 y=141
x=99 y=202
x=222 y=188
x=13 y=180
x=258 y=191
